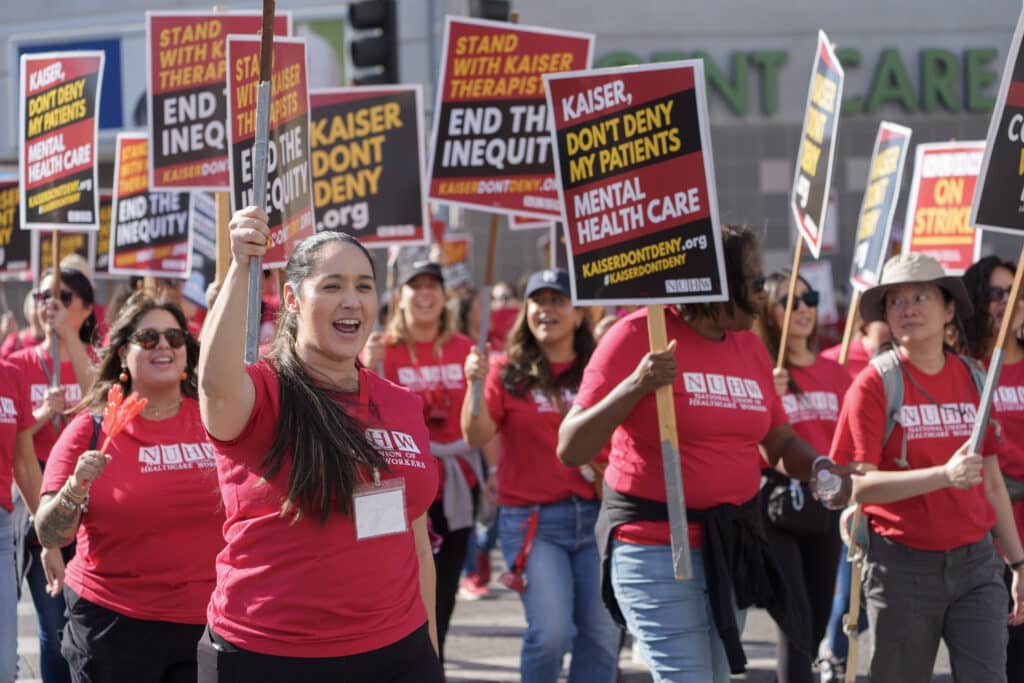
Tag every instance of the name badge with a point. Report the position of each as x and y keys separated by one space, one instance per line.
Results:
x=379 y=508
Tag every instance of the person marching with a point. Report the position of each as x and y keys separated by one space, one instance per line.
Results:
x=420 y=352
x=326 y=475
x=803 y=533
x=726 y=408
x=146 y=513
x=932 y=571
x=548 y=510
x=70 y=320
x=988 y=283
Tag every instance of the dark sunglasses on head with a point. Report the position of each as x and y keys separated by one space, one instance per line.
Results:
x=149 y=338
x=998 y=293
x=65 y=297
x=810 y=299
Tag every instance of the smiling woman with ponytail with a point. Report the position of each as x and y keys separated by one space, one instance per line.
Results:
x=326 y=476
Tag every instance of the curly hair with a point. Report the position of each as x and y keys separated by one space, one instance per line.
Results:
x=737 y=242
x=979 y=328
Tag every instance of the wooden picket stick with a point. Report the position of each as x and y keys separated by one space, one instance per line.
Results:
x=851 y=317
x=682 y=563
x=223 y=211
x=793 y=275
x=855 y=556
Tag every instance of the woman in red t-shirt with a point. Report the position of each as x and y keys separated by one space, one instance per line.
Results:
x=803 y=533
x=326 y=476
x=548 y=510
x=146 y=514
x=421 y=352
x=932 y=570
x=988 y=282
x=726 y=410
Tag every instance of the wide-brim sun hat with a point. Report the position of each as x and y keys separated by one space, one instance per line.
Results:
x=916 y=268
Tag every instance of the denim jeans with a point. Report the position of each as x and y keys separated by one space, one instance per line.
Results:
x=564 y=612
x=481 y=543
x=8 y=602
x=50 y=620
x=671 y=619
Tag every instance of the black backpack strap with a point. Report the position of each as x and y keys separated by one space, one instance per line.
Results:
x=97 y=420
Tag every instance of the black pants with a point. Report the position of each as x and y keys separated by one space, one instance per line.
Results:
x=812 y=560
x=410 y=660
x=103 y=646
x=448 y=566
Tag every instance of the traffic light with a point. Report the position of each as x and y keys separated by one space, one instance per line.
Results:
x=378 y=53
x=497 y=10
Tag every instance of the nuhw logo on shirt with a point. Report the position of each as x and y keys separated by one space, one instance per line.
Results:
x=930 y=421
x=8 y=411
x=176 y=456
x=397 y=448
x=425 y=377
x=811 y=405
x=711 y=390
x=72 y=394
x=547 y=404
x=1009 y=399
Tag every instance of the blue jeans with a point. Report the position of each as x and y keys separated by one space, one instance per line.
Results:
x=8 y=602
x=562 y=601
x=671 y=619
x=50 y=621
x=481 y=543
x=835 y=637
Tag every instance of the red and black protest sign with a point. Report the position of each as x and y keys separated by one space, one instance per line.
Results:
x=203 y=226
x=57 y=130
x=490 y=148
x=939 y=204
x=289 y=188
x=101 y=269
x=813 y=177
x=368 y=176
x=527 y=223
x=874 y=226
x=186 y=94
x=999 y=202
x=634 y=161
x=81 y=243
x=149 y=234
x=15 y=243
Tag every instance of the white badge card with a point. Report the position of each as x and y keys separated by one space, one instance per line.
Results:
x=379 y=510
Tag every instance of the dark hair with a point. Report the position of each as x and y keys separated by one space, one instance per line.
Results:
x=77 y=282
x=776 y=285
x=465 y=305
x=737 y=242
x=326 y=443
x=527 y=368
x=979 y=327
x=134 y=309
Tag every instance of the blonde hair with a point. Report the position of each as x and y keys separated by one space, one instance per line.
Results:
x=397 y=329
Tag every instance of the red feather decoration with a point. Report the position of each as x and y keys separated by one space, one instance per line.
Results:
x=118 y=412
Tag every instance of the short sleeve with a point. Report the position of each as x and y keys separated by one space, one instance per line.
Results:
x=494 y=392
x=263 y=419
x=616 y=356
x=73 y=441
x=861 y=426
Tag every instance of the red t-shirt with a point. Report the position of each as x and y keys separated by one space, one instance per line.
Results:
x=15 y=416
x=856 y=359
x=1008 y=411
x=725 y=406
x=17 y=341
x=940 y=520
x=299 y=589
x=31 y=369
x=814 y=411
x=147 y=544
x=529 y=472
x=502 y=322
x=439 y=380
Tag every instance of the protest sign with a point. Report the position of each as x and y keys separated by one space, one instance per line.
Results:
x=634 y=161
x=527 y=223
x=457 y=260
x=813 y=176
x=874 y=226
x=289 y=190
x=939 y=204
x=57 y=130
x=367 y=166
x=101 y=269
x=68 y=243
x=490 y=147
x=15 y=243
x=186 y=96
x=203 y=227
x=149 y=234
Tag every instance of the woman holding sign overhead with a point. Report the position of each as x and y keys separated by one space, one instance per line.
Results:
x=326 y=475
x=726 y=410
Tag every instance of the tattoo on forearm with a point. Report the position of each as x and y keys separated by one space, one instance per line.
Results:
x=57 y=524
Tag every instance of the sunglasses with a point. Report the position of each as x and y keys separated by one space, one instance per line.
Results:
x=998 y=293
x=810 y=299
x=65 y=297
x=149 y=338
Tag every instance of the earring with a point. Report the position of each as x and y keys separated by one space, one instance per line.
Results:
x=123 y=377
x=184 y=375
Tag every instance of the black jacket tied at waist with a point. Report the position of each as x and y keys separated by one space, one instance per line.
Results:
x=737 y=564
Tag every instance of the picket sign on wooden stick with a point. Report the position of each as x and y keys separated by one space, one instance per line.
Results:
x=855 y=556
x=791 y=294
x=259 y=179
x=223 y=212
x=851 y=317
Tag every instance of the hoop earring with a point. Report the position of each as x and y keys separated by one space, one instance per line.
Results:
x=123 y=377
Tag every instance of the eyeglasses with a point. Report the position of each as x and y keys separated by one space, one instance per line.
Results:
x=998 y=293
x=756 y=282
x=810 y=299
x=65 y=296
x=149 y=338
